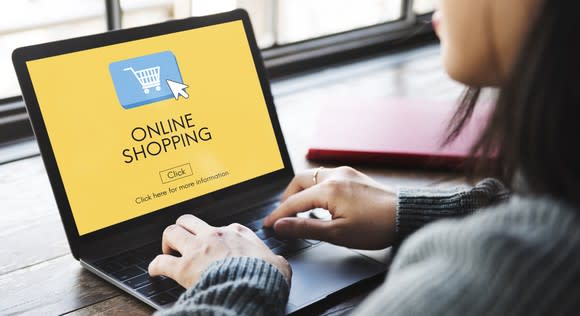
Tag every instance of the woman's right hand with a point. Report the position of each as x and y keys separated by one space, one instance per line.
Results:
x=363 y=211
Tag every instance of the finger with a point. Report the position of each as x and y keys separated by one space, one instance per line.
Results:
x=308 y=199
x=297 y=184
x=193 y=224
x=164 y=265
x=303 y=181
x=294 y=227
x=176 y=238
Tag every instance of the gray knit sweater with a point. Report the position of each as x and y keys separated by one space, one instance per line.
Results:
x=520 y=256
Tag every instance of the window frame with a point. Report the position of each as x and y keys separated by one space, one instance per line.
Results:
x=280 y=60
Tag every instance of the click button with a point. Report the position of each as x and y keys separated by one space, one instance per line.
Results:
x=176 y=173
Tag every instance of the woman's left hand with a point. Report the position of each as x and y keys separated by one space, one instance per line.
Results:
x=199 y=244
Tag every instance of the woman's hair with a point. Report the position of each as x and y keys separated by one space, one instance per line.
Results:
x=535 y=127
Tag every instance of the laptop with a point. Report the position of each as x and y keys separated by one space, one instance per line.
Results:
x=137 y=127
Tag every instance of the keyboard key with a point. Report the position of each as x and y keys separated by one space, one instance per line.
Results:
x=255 y=225
x=176 y=292
x=149 y=290
x=273 y=243
x=162 y=299
x=128 y=273
x=146 y=256
x=157 y=286
x=265 y=233
x=147 y=248
x=152 y=247
x=110 y=266
x=281 y=251
x=139 y=281
x=144 y=265
x=127 y=260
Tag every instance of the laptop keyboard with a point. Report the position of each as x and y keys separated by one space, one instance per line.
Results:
x=130 y=267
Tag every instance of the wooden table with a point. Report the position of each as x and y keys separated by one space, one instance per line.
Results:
x=39 y=276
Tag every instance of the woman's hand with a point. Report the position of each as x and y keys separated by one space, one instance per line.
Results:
x=200 y=244
x=363 y=211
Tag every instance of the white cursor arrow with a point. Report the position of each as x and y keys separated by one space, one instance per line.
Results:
x=177 y=89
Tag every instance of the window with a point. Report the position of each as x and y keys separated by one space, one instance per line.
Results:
x=293 y=34
x=305 y=19
x=27 y=22
x=423 y=6
x=277 y=23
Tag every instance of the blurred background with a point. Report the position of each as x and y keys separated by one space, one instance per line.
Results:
x=284 y=28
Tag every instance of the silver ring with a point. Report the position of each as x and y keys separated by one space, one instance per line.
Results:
x=315 y=175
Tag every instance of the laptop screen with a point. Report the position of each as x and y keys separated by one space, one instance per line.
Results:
x=142 y=125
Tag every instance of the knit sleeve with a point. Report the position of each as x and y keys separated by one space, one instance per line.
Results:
x=518 y=258
x=417 y=207
x=236 y=287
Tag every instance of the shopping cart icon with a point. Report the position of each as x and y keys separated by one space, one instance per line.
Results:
x=146 y=79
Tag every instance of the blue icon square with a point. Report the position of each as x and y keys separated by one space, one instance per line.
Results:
x=144 y=80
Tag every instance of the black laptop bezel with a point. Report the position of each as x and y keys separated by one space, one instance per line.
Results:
x=22 y=55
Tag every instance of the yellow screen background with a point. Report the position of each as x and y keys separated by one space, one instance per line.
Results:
x=88 y=128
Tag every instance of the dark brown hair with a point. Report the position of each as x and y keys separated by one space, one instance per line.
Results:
x=534 y=129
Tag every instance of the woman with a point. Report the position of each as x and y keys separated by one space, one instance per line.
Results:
x=490 y=251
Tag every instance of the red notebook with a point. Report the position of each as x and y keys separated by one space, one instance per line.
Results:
x=392 y=132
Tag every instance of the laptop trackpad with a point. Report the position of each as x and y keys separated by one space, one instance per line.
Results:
x=325 y=269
